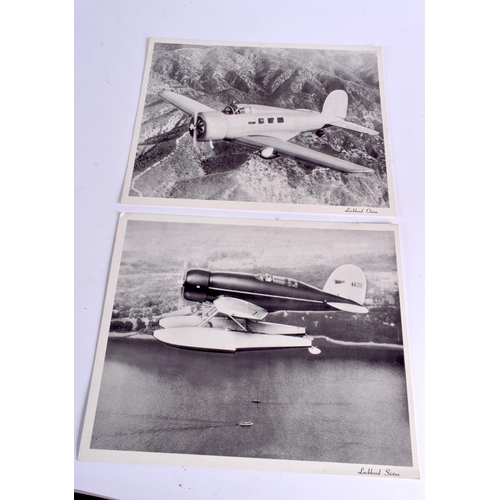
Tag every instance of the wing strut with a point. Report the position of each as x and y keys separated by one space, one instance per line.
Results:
x=238 y=323
x=210 y=314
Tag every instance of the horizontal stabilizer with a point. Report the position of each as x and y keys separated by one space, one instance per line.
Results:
x=352 y=126
x=352 y=308
x=186 y=104
x=335 y=111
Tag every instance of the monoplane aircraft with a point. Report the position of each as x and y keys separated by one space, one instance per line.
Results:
x=269 y=129
x=235 y=306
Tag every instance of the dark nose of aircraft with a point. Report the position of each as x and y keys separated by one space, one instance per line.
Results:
x=196 y=285
x=197 y=278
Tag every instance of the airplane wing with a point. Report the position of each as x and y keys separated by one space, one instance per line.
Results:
x=239 y=308
x=189 y=106
x=300 y=153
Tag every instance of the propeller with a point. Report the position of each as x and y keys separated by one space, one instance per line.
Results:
x=192 y=129
x=196 y=127
x=180 y=302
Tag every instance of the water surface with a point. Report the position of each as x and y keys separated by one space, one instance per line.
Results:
x=345 y=405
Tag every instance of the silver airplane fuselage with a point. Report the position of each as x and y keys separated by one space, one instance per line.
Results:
x=258 y=120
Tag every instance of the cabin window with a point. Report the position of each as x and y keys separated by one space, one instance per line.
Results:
x=251 y=122
x=261 y=121
x=281 y=120
x=279 y=280
x=270 y=120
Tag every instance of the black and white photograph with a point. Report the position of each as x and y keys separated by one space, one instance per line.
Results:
x=253 y=344
x=288 y=128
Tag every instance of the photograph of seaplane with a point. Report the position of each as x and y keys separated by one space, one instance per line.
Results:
x=237 y=305
x=269 y=129
x=205 y=346
x=261 y=127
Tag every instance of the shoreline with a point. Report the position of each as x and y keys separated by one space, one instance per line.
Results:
x=337 y=343
x=131 y=335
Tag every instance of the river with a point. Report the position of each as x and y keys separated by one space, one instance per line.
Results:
x=346 y=405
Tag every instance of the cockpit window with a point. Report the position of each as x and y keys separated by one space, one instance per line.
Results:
x=279 y=280
x=233 y=109
x=230 y=109
x=264 y=277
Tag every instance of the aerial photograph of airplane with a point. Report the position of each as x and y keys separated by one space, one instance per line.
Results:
x=240 y=126
x=247 y=338
x=235 y=306
x=269 y=129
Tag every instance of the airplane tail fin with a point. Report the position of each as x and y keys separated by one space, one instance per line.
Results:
x=335 y=111
x=335 y=105
x=349 y=282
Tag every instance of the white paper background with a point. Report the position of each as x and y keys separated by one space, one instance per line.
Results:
x=110 y=50
x=462 y=247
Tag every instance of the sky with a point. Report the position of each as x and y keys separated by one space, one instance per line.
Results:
x=267 y=245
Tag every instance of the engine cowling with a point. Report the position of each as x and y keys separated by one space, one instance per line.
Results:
x=210 y=126
x=196 y=285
